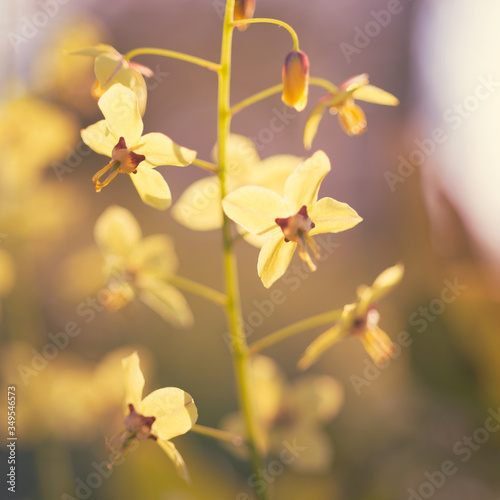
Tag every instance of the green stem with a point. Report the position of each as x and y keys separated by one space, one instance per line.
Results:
x=226 y=437
x=241 y=358
x=272 y=21
x=206 y=165
x=294 y=329
x=198 y=289
x=174 y=55
x=276 y=89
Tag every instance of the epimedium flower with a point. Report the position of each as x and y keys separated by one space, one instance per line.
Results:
x=139 y=267
x=110 y=67
x=290 y=221
x=160 y=416
x=360 y=319
x=243 y=9
x=351 y=117
x=295 y=76
x=198 y=208
x=119 y=136
x=290 y=412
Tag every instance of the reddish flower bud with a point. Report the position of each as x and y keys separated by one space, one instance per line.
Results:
x=243 y=9
x=295 y=77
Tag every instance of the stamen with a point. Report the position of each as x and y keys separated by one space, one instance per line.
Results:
x=114 y=167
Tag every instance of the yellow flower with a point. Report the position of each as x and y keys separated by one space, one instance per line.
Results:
x=360 y=319
x=33 y=134
x=160 y=416
x=119 y=136
x=110 y=67
x=295 y=76
x=243 y=9
x=289 y=221
x=351 y=117
x=291 y=412
x=139 y=266
x=199 y=207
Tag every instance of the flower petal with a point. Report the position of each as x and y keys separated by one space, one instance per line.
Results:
x=370 y=93
x=176 y=457
x=316 y=452
x=154 y=256
x=96 y=50
x=321 y=344
x=111 y=68
x=332 y=216
x=302 y=186
x=199 y=208
x=99 y=138
x=378 y=345
x=274 y=258
x=312 y=123
x=241 y=157
x=317 y=398
x=352 y=119
x=273 y=172
x=174 y=410
x=161 y=150
x=152 y=187
x=382 y=285
x=120 y=108
x=167 y=302
x=117 y=231
x=254 y=208
x=134 y=380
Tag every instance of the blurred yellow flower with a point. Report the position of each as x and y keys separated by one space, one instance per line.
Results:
x=54 y=381
x=289 y=221
x=139 y=266
x=295 y=76
x=58 y=73
x=360 y=319
x=33 y=133
x=160 y=416
x=291 y=415
x=110 y=67
x=351 y=117
x=199 y=206
x=119 y=136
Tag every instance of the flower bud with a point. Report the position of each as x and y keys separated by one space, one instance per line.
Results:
x=243 y=9
x=295 y=76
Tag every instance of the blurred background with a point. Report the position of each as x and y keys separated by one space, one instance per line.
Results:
x=424 y=177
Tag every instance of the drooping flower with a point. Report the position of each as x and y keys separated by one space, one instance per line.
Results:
x=160 y=416
x=351 y=117
x=198 y=207
x=288 y=412
x=119 y=136
x=289 y=221
x=111 y=67
x=295 y=76
x=139 y=267
x=360 y=319
x=243 y=9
